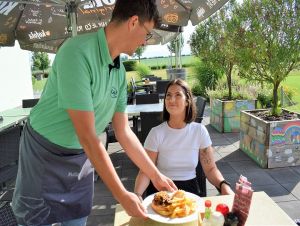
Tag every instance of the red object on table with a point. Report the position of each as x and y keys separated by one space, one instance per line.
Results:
x=222 y=208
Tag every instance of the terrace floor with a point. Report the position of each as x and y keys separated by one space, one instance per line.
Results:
x=281 y=184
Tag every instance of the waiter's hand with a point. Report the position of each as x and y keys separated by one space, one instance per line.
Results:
x=163 y=183
x=132 y=205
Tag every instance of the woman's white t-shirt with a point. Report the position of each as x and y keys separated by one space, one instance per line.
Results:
x=178 y=149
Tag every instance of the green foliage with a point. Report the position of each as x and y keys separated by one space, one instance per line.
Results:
x=213 y=42
x=240 y=90
x=129 y=65
x=142 y=70
x=40 y=61
x=206 y=77
x=176 y=41
x=139 y=52
x=265 y=99
x=268 y=47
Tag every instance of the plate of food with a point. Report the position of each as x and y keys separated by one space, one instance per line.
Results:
x=173 y=208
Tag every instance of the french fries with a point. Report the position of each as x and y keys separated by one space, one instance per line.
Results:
x=181 y=206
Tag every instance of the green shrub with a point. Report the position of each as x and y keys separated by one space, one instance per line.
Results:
x=240 y=90
x=129 y=65
x=206 y=76
x=198 y=90
x=142 y=70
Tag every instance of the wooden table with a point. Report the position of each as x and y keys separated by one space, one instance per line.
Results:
x=13 y=116
x=263 y=211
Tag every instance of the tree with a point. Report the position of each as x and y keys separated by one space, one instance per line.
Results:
x=175 y=46
x=269 y=46
x=40 y=61
x=214 y=42
x=139 y=52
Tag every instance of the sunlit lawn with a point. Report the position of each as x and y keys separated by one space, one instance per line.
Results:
x=292 y=81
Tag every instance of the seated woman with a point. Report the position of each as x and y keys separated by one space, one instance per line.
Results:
x=177 y=145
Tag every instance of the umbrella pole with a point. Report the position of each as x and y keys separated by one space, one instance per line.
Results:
x=74 y=24
x=71 y=10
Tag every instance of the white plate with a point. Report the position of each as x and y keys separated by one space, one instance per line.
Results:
x=178 y=220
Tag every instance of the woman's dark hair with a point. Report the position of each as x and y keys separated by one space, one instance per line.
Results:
x=146 y=10
x=190 y=110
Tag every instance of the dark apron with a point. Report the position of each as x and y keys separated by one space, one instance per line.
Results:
x=54 y=183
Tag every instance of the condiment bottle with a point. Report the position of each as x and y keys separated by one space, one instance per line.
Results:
x=217 y=219
x=207 y=214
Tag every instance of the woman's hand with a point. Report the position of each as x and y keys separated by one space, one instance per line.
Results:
x=132 y=205
x=163 y=183
x=226 y=190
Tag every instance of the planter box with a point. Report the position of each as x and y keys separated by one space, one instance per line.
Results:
x=270 y=144
x=225 y=115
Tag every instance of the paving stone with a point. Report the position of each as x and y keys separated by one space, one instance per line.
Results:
x=245 y=165
x=103 y=206
x=277 y=192
x=225 y=167
x=295 y=169
x=219 y=141
x=291 y=208
x=259 y=178
x=105 y=220
x=284 y=175
x=237 y=155
x=294 y=188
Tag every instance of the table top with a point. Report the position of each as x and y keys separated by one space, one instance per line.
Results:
x=13 y=116
x=136 y=109
x=263 y=211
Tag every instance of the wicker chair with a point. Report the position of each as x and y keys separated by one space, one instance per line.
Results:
x=29 y=103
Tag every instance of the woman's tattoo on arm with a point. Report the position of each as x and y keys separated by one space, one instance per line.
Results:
x=204 y=155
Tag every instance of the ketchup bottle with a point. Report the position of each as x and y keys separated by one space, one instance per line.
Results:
x=207 y=214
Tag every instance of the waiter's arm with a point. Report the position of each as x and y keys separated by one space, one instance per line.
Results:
x=84 y=124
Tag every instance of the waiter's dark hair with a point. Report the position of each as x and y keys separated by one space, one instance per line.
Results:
x=190 y=110
x=146 y=10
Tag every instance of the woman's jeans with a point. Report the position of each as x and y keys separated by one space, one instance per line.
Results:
x=76 y=222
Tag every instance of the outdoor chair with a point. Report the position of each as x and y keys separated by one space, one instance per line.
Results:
x=148 y=121
x=151 y=98
x=29 y=103
x=7 y=217
x=161 y=86
x=201 y=179
x=9 y=152
x=200 y=104
x=137 y=89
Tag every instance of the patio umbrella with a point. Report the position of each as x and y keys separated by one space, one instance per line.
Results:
x=43 y=25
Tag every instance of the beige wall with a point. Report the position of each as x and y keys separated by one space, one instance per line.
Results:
x=15 y=77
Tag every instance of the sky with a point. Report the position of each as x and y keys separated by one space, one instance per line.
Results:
x=162 y=50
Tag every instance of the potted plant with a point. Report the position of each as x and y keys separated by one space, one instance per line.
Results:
x=268 y=49
x=225 y=113
x=175 y=47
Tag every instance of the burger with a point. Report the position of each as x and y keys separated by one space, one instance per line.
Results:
x=160 y=203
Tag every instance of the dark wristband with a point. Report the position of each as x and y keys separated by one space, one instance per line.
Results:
x=220 y=185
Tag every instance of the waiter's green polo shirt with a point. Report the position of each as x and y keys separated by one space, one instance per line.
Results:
x=81 y=79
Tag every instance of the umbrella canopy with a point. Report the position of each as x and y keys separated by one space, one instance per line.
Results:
x=43 y=25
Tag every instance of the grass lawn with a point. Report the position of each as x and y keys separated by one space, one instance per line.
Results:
x=293 y=82
x=160 y=61
x=162 y=73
